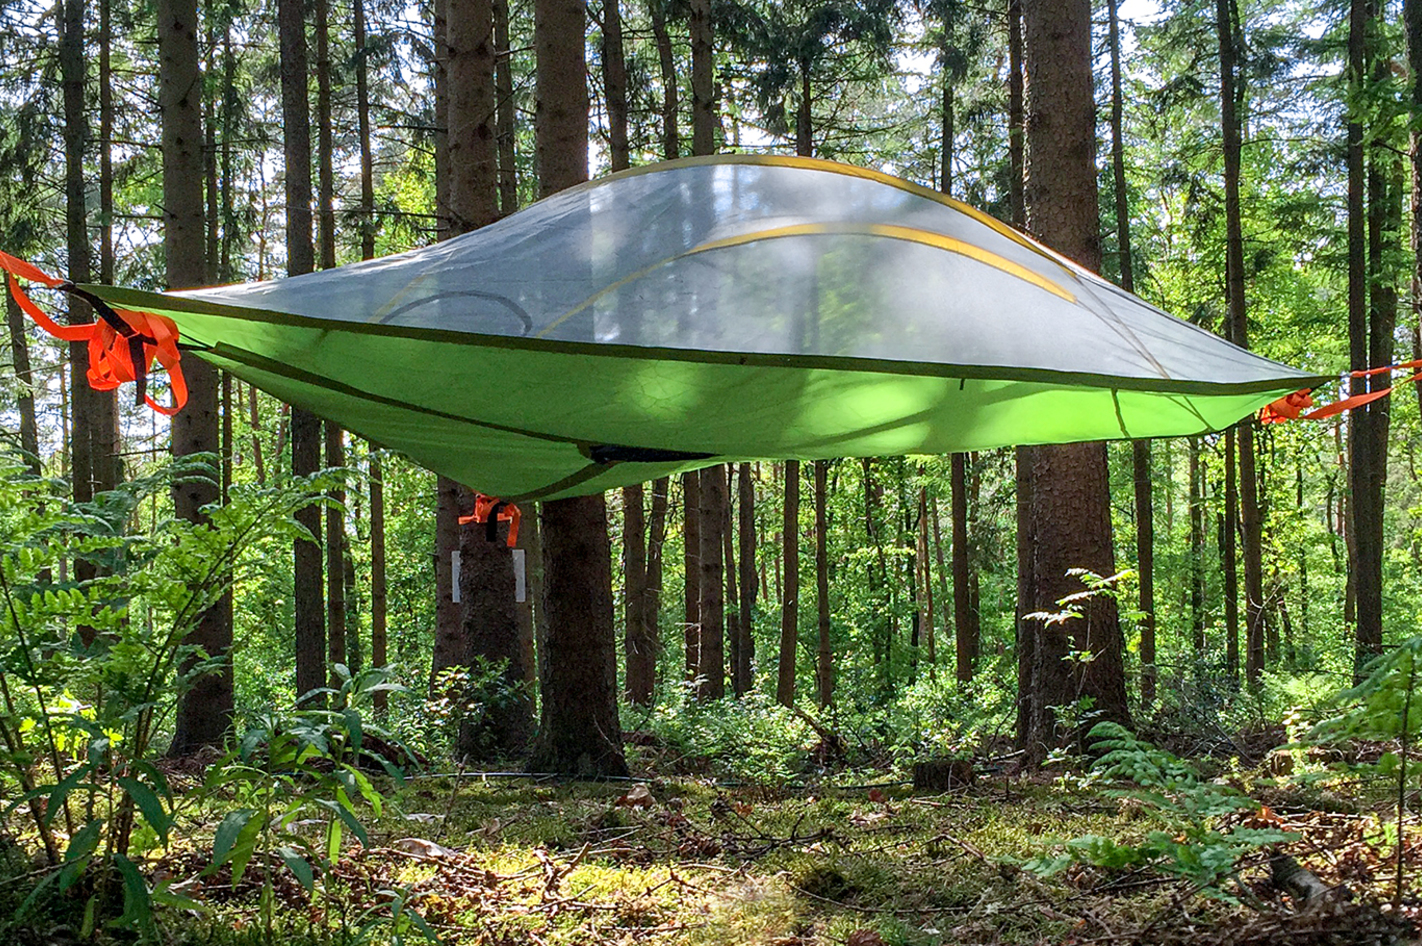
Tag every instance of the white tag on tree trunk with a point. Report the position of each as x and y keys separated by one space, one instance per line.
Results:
x=454 y=575
x=520 y=577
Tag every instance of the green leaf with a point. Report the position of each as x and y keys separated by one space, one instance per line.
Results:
x=299 y=866
x=227 y=834
x=137 y=907
x=150 y=804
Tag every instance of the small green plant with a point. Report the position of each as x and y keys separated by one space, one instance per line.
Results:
x=293 y=769
x=1193 y=842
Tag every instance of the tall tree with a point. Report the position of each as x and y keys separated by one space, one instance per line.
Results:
x=1369 y=345
x=824 y=656
x=306 y=438
x=1140 y=449
x=580 y=729
x=711 y=643
x=205 y=711
x=489 y=629
x=1231 y=100
x=1070 y=500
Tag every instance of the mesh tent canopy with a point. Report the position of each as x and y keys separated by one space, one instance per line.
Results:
x=716 y=309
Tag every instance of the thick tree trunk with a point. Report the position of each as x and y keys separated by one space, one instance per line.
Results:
x=580 y=731
x=790 y=587
x=745 y=625
x=1071 y=525
x=824 y=662
x=711 y=652
x=204 y=711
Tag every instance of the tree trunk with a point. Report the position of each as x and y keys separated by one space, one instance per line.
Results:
x=1070 y=511
x=666 y=61
x=711 y=650
x=1231 y=98
x=24 y=375
x=966 y=640
x=745 y=624
x=335 y=558
x=925 y=576
x=506 y=110
x=656 y=546
x=326 y=175
x=691 y=561
x=824 y=664
x=1197 y=550
x=378 y=655
x=205 y=711
x=1140 y=449
x=580 y=731
x=1228 y=553
x=614 y=84
x=703 y=80
x=641 y=657
x=1365 y=486
x=305 y=426
x=790 y=587
x=1412 y=20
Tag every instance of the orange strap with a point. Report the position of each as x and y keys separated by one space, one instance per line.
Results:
x=491 y=510
x=1293 y=406
x=123 y=344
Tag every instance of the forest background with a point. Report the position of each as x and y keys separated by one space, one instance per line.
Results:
x=1255 y=163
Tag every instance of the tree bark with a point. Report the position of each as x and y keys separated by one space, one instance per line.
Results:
x=205 y=711
x=305 y=426
x=378 y=602
x=824 y=664
x=966 y=639
x=580 y=731
x=666 y=61
x=25 y=397
x=325 y=170
x=1070 y=511
x=640 y=675
x=790 y=593
x=703 y=79
x=336 y=647
x=745 y=509
x=691 y=561
x=711 y=650
x=506 y=110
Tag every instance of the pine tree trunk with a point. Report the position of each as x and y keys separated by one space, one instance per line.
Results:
x=711 y=650
x=24 y=376
x=305 y=426
x=205 y=711
x=691 y=562
x=666 y=61
x=790 y=587
x=367 y=161
x=1197 y=551
x=580 y=731
x=335 y=559
x=745 y=508
x=703 y=80
x=640 y=675
x=1229 y=557
x=1231 y=98
x=326 y=175
x=378 y=600
x=824 y=664
x=925 y=575
x=1412 y=20
x=1071 y=525
x=506 y=110
x=966 y=640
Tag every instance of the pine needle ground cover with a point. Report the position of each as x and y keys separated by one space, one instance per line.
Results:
x=690 y=861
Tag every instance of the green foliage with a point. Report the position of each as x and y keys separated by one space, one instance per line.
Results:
x=295 y=767
x=1193 y=843
x=92 y=663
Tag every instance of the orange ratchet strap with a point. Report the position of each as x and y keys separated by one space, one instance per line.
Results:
x=1293 y=406
x=491 y=510
x=123 y=344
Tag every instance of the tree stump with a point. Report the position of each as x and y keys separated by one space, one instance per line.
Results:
x=941 y=775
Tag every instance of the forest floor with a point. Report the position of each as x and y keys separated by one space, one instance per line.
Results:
x=505 y=861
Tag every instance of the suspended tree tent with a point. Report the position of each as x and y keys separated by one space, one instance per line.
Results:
x=712 y=309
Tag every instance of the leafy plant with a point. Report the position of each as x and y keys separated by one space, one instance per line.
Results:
x=293 y=768
x=1193 y=843
x=93 y=661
